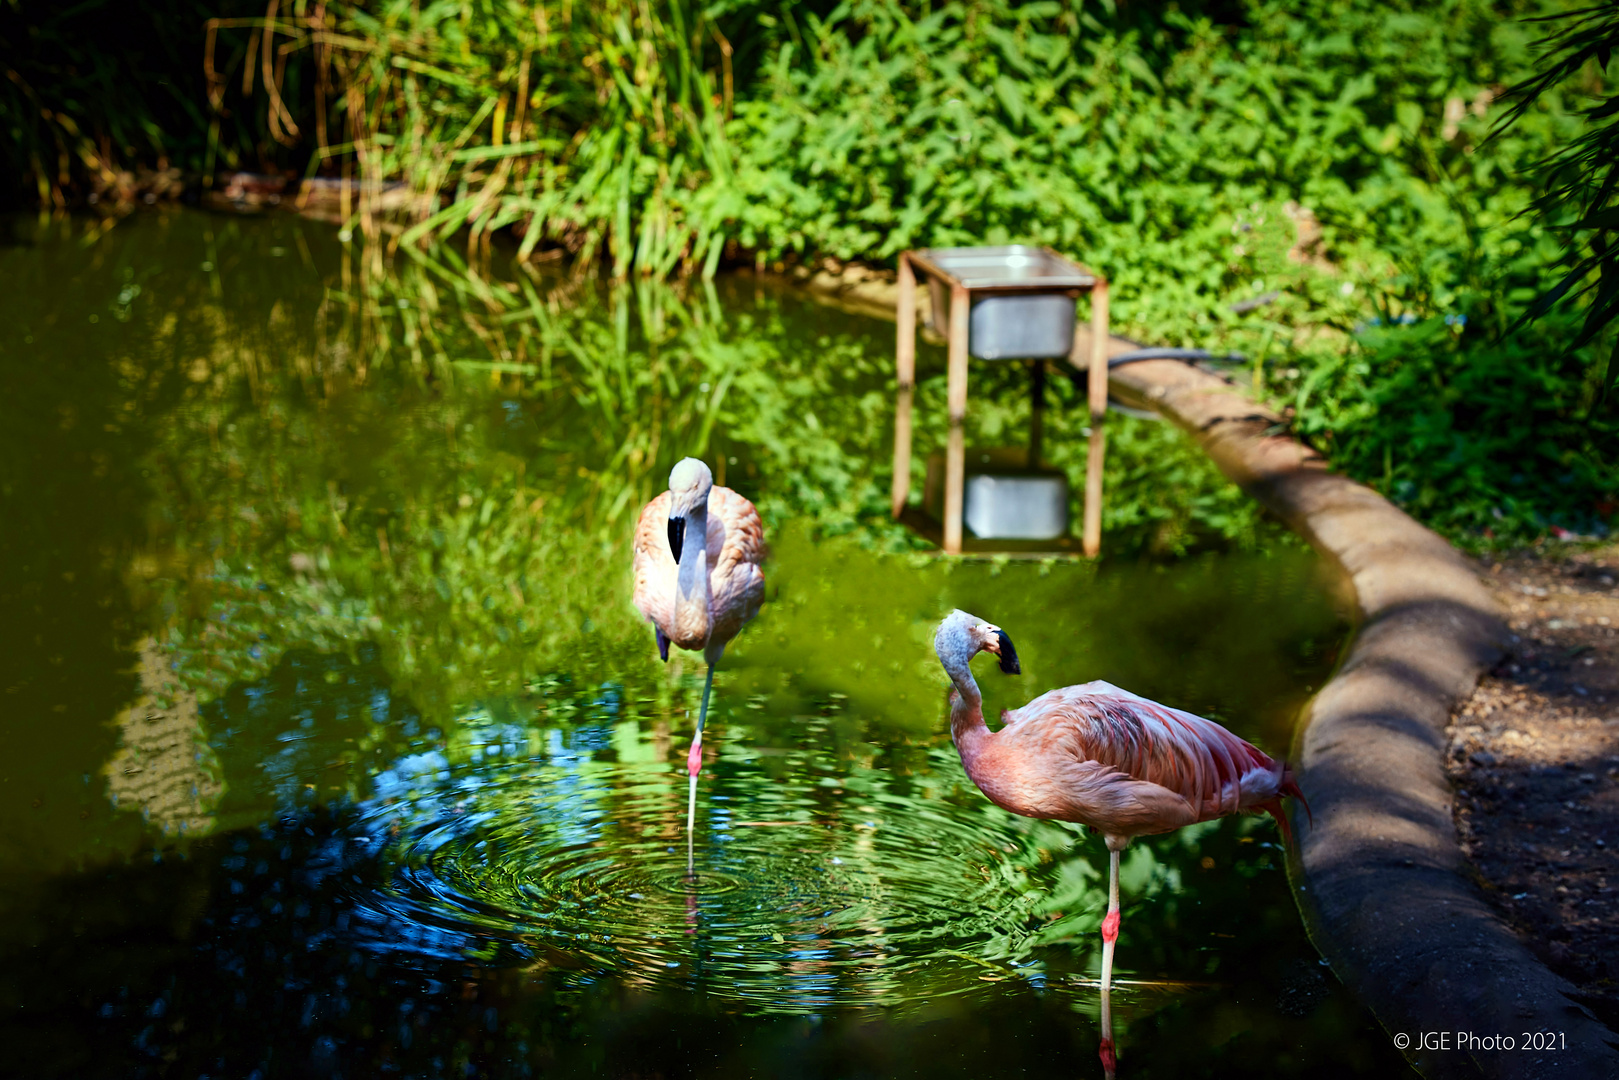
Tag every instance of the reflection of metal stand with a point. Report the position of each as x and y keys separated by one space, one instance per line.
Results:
x=995 y=276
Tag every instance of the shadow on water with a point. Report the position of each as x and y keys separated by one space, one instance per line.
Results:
x=392 y=781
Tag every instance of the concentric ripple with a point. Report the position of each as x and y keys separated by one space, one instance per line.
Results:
x=803 y=896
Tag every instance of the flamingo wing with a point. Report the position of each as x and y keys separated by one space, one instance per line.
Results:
x=736 y=550
x=735 y=579
x=655 y=567
x=1112 y=736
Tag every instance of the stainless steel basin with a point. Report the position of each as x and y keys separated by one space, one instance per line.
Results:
x=1023 y=298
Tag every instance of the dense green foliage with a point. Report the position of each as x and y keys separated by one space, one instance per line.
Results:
x=1337 y=153
x=1485 y=441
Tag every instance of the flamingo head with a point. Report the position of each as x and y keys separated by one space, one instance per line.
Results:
x=962 y=636
x=689 y=484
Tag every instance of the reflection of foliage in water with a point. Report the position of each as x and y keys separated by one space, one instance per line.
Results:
x=396 y=586
x=452 y=464
x=826 y=877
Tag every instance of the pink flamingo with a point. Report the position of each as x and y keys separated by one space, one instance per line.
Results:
x=1102 y=757
x=698 y=595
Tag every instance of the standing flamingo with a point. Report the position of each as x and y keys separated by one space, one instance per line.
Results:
x=698 y=595
x=1102 y=757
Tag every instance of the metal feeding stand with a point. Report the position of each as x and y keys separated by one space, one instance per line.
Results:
x=1003 y=302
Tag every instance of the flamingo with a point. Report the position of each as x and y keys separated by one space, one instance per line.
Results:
x=1102 y=757
x=698 y=595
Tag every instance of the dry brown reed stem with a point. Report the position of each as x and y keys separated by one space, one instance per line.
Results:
x=585 y=127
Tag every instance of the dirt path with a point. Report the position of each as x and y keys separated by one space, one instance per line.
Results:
x=1534 y=755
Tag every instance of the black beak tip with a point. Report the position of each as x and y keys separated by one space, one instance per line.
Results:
x=1009 y=661
x=677 y=533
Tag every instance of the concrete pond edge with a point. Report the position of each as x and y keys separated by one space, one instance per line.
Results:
x=1386 y=893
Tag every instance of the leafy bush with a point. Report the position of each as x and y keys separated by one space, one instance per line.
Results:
x=1180 y=158
x=1484 y=440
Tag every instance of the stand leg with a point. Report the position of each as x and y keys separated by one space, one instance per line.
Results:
x=905 y=372
x=955 y=466
x=1110 y=936
x=691 y=816
x=1096 y=384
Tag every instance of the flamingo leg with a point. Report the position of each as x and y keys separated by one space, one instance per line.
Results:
x=691 y=812
x=702 y=712
x=1110 y=935
x=1110 y=924
x=694 y=765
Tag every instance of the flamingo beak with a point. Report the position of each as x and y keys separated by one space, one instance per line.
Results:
x=677 y=535
x=1003 y=648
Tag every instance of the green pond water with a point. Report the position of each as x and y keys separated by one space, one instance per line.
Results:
x=333 y=746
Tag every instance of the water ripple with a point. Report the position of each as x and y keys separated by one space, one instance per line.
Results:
x=802 y=898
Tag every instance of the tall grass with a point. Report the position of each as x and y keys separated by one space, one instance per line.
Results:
x=598 y=129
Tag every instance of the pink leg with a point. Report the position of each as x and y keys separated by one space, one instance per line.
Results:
x=694 y=765
x=1110 y=935
x=1110 y=924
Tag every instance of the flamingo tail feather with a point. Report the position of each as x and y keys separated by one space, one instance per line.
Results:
x=1288 y=788
x=1273 y=807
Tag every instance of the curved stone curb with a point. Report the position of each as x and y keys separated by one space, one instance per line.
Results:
x=1381 y=880
x=1382 y=883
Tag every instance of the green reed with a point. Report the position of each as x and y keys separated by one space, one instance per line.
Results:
x=584 y=126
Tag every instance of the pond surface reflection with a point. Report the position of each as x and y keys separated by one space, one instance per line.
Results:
x=394 y=783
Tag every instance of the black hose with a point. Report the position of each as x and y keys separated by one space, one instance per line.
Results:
x=1190 y=356
x=1187 y=356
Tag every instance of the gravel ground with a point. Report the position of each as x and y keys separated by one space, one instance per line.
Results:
x=1534 y=755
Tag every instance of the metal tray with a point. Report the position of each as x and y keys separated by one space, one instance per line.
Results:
x=1009 y=268
x=1028 y=312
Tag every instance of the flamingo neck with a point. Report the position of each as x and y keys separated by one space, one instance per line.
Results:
x=967 y=728
x=691 y=585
